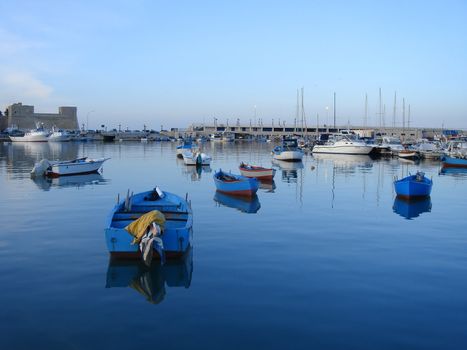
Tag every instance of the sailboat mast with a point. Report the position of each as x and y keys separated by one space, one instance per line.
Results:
x=365 y=120
x=403 y=113
x=408 y=118
x=334 y=110
x=394 y=111
x=297 y=112
x=380 y=110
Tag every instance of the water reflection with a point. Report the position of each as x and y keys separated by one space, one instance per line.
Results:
x=455 y=172
x=268 y=185
x=45 y=183
x=345 y=163
x=195 y=172
x=411 y=208
x=21 y=156
x=289 y=170
x=151 y=281
x=245 y=205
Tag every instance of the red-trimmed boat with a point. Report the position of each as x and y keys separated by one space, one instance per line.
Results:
x=257 y=172
x=236 y=185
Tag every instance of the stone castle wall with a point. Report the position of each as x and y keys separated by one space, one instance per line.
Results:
x=24 y=118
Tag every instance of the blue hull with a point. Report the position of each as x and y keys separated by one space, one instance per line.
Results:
x=409 y=187
x=454 y=162
x=237 y=185
x=411 y=208
x=178 y=231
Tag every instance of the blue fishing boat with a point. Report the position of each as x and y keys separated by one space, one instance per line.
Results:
x=169 y=214
x=186 y=145
x=413 y=186
x=411 y=208
x=151 y=281
x=236 y=185
x=453 y=162
x=248 y=205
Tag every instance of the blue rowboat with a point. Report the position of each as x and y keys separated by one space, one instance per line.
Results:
x=235 y=185
x=178 y=228
x=411 y=208
x=453 y=162
x=245 y=204
x=413 y=186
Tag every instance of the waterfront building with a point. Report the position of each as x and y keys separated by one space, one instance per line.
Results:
x=24 y=117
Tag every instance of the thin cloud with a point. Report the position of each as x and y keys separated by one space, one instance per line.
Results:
x=24 y=85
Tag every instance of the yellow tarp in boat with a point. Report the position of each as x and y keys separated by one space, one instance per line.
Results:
x=139 y=227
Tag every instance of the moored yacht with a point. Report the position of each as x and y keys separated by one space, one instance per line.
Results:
x=343 y=145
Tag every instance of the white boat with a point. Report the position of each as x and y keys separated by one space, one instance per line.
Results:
x=59 y=136
x=408 y=154
x=429 y=150
x=289 y=151
x=37 y=135
x=393 y=143
x=215 y=137
x=196 y=158
x=68 y=167
x=343 y=145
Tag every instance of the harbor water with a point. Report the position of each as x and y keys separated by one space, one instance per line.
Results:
x=324 y=257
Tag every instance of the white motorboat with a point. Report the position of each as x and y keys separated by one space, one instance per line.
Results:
x=68 y=167
x=429 y=150
x=343 y=145
x=393 y=143
x=196 y=158
x=289 y=151
x=215 y=137
x=59 y=136
x=37 y=135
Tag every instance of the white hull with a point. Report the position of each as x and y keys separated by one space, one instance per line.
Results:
x=342 y=149
x=192 y=159
x=289 y=156
x=59 y=138
x=70 y=168
x=267 y=173
x=33 y=137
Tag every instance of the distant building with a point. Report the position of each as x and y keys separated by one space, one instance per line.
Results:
x=25 y=118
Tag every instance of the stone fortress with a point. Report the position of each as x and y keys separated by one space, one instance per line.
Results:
x=24 y=117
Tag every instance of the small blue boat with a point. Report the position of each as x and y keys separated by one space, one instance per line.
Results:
x=411 y=208
x=236 y=185
x=453 y=162
x=185 y=146
x=413 y=186
x=249 y=205
x=178 y=227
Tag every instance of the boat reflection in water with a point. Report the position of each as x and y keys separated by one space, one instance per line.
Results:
x=195 y=172
x=289 y=170
x=151 y=282
x=45 y=183
x=457 y=172
x=411 y=208
x=345 y=163
x=269 y=186
x=245 y=204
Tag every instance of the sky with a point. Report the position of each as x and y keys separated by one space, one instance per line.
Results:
x=172 y=63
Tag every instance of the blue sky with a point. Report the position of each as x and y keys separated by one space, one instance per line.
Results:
x=175 y=62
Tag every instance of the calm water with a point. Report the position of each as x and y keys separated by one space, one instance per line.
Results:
x=324 y=258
